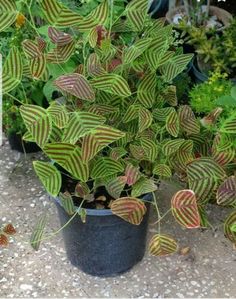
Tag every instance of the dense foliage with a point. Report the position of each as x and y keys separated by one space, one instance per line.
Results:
x=116 y=123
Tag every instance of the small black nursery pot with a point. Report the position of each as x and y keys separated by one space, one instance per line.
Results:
x=17 y=143
x=105 y=245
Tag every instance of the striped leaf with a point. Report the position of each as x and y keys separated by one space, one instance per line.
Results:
x=172 y=124
x=146 y=93
x=184 y=155
x=67 y=203
x=229 y=222
x=58 y=114
x=136 y=12
x=49 y=176
x=222 y=150
x=188 y=122
x=12 y=70
x=226 y=193
x=104 y=167
x=162 y=245
x=98 y=139
x=59 y=15
x=81 y=190
x=172 y=146
x=41 y=44
x=170 y=96
x=80 y=124
x=185 y=210
x=204 y=176
x=212 y=117
x=8 y=13
x=3 y=240
x=69 y=157
x=38 y=122
x=9 y=229
x=94 y=66
x=162 y=170
x=58 y=37
x=117 y=153
x=229 y=125
x=145 y=119
x=93 y=37
x=36 y=59
x=136 y=50
x=175 y=66
x=77 y=85
x=143 y=186
x=129 y=209
x=61 y=54
x=137 y=151
x=150 y=149
x=132 y=174
x=161 y=114
x=97 y=16
x=116 y=186
x=131 y=113
x=112 y=83
x=56 y=134
x=38 y=232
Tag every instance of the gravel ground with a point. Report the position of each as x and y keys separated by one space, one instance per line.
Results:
x=208 y=270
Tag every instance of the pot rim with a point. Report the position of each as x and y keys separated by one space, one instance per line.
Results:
x=102 y=212
x=170 y=13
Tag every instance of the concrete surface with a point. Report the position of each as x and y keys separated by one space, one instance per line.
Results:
x=208 y=270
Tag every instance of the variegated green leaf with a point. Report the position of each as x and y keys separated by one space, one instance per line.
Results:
x=172 y=146
x=58 y=114
x=226 y=193
x=188 y=122
x=12 y=70
x=136 y=12
x=112 y=83
x=229 y=125
x=116 y=186
x=143 y=186
x=94 y=66
x=49 y=176
x=147 y=90
x=132 y=174
x=106 y=167
x=67 y=203
x=61 y=54
x=77 y=85
x=38 y=232
x=58 y=37
x=130 y=209
x=162 y=170
x=185 y=210
x=172 y=124
x=80 y=124
x=229 y=222
x=38 y=122
x=136 y=50
x=59 y=15
x=8 y=13
x=162 y=245
x=69 y=157
x=150 y=149
x=145 y=119
x=98 y=139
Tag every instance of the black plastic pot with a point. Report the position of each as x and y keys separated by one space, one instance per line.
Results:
x=199 y=77
x=105 y=245
x=158 y=8
x=16 y=143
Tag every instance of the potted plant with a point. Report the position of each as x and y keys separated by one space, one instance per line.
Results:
x=215 y=52
x=198 y=13
x=104 y=136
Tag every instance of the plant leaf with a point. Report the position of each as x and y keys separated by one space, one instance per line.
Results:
x=8 y=13
x=143 y=186
x=76 y=85
x=49 y=176
x=112 y=83
x=116 y=186
x=58 y=114
x=145 y=119
x=162 y=245
x=130 y=209
x=38 y=122
x=58 y=37
x=172 y=146
x=146 y=93
x=132 y=174
x=229 y=222
x=104 y=167
x=185 y=210
x=226 y=193
x=150 y=149
x=12 y=70
x=172 y=124
x=136 y=12
x=136 y=50
x=188 y=122
x=69 y=157
x=37 y=234
x=162 y=171
x=67 y=203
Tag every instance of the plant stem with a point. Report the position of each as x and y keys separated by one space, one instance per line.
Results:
x=158 y=212
x=32 y=23
x=61 y=228
x=159 y=220
x=14 y=98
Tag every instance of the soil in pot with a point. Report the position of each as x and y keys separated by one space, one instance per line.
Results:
x=105 y=245
x=16 y=143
